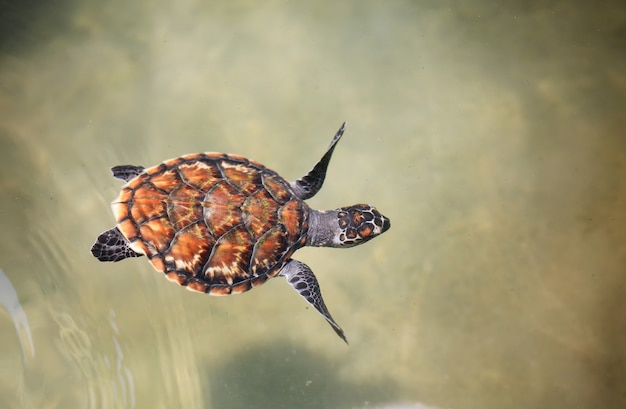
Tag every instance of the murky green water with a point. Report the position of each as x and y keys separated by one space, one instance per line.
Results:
x=492 y=135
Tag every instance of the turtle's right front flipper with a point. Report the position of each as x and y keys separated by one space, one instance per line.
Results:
x=302 y=279
x=111 y=245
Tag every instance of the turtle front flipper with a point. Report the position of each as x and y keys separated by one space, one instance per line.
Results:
x=126 y=172
x=307 y=186
x=111 y=245
x=302 y=279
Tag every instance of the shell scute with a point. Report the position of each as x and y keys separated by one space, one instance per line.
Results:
x=157 y=262
x=270 y=247
x=152 y=171
x=220 y=289
x=125 y=195
x=148 y=203
x=166 y=180
x=292 y=216
x=172 y=163
x=184 y=206
x=197 y=286
x=242 y=176
x=260 y=212
x=259 y=280
x=190 y=248
x=157 y=232
x=130 y=230
x=277 y=187
x=222 y=208
x=200 y=174
x=230 y=258
x=176 y=277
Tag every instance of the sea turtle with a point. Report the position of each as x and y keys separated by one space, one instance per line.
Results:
x=223 y=224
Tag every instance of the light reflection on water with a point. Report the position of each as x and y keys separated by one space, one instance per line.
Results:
x=10 y=302
x=491 y=135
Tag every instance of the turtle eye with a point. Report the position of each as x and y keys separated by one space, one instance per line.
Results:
x=360 y=223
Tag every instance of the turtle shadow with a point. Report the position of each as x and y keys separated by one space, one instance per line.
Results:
x=284 y=376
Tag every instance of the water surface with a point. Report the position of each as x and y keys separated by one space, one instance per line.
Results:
x=492 y=135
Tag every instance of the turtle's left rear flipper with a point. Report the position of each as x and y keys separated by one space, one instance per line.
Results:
x=126 y=172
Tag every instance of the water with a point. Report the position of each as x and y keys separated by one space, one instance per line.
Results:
x=492 y=135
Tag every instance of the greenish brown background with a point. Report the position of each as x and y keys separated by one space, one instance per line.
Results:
x=491 y=133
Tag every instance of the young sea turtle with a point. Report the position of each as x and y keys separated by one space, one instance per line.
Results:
x=223 y=224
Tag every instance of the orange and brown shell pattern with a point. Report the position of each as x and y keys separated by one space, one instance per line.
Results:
x=218 y=224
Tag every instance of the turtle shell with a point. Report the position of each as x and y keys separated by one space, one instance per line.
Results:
x=218 y=224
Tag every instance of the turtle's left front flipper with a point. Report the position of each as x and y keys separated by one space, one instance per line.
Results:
x=302 y=279
x=111 y=245
x=308 y=185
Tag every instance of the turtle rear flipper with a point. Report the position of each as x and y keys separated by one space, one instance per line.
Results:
x=302 y=279
x=111 y=245
x=308 y=185
x=126 y=172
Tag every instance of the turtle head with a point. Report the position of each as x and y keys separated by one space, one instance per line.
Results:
x=346 y=227
x=359 y=223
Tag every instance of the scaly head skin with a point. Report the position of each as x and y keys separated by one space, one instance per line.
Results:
x=360 y=223
x=346 y=227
